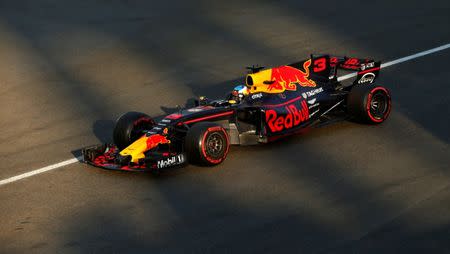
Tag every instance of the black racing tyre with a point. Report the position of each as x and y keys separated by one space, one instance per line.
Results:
x=206 y=144
x=129 y=127
x=369 y=103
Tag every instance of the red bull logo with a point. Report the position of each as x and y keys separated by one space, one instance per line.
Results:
x=294 y=117
x=287 y=77
x=155 y=140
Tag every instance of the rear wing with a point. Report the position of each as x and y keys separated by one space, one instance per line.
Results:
x=326 y=66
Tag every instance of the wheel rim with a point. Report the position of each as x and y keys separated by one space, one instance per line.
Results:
x=214 y=145
x=378 y=105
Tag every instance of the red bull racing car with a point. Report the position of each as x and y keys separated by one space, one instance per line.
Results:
x=273 y=103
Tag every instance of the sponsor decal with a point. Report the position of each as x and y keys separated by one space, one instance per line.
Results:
x=257 y=96
x=288 y=77
x=333 y=61
x=351 y=63
x=166 y=121
x=171 y=161
x=293 y=115
x=195 y=110
x=367 y=78
x=312 y=92
x=367 y=65
x=155 y=140
x=312 y=101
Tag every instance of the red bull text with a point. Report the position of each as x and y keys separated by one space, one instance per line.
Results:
x=277 y=120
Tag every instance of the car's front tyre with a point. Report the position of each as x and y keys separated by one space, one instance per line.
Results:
x=129 y=127
x=206 y=144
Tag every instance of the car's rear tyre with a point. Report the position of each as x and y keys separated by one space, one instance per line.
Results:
x=369 y=103
x=206 y=144
x=129 y=127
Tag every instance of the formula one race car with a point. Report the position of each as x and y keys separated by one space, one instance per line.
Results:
x=274 y=103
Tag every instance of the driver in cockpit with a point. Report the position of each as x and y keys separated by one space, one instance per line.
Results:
x=239 y=93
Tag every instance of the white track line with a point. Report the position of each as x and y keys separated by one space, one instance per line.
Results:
x=351 y=75
x=39 y=171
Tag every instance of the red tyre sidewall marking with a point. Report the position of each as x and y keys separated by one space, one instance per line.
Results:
x=143 y=119
x=368 y=103
x=214 y=161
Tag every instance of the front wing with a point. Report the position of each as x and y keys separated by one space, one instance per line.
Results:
x=107 y=156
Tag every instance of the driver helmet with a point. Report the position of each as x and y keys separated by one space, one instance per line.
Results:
x=239 y=92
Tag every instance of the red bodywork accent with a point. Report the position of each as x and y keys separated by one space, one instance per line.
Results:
x=105 y=159
x=107 y=156
x=207 y=117
x=333 y=61
x=174 y=116
x=369 y=70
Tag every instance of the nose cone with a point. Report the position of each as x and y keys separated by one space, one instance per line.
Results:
x=137 y=149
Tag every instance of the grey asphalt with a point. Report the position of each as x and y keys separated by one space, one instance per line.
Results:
x=69 y=68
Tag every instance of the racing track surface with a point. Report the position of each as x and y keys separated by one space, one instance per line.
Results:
x=69 y=68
